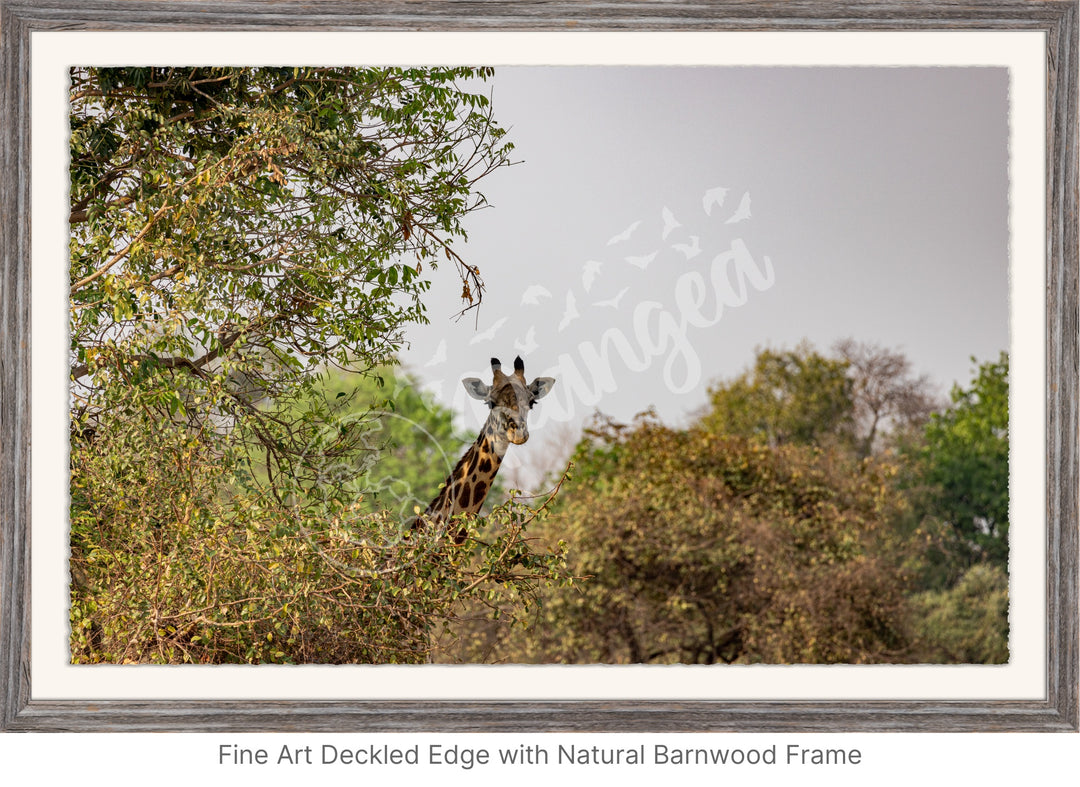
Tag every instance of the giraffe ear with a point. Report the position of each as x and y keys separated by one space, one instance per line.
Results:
x=541 y=386
x=476 y=388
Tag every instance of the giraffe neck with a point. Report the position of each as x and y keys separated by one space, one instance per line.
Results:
x=470 y=481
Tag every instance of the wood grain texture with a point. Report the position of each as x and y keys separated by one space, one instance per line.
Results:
x=1063 y=328
x=14 y=371
x=1059 y=712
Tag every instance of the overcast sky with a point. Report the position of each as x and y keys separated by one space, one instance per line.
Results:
x=665 y=222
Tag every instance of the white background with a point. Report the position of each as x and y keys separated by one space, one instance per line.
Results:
x=986 y=760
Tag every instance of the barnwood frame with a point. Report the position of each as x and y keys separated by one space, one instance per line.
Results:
x=1056 y=18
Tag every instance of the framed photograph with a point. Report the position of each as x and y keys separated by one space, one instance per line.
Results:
x=570 y=368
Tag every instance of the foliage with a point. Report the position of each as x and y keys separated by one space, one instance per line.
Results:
x=863 y=397
x=788 y=524
x=966 y=624
x=234 y=234
x=485 y=622
x=964 y=463
x=238 y=233
x=182 y=553
x=789 y=396
x=409 y=439
x=234 y=230
x=700 y=548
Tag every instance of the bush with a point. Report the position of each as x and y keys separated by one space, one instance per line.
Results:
x=966 y=624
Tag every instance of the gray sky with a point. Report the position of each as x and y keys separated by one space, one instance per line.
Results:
x=877 y=199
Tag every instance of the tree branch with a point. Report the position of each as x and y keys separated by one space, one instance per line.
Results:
x=122 y=253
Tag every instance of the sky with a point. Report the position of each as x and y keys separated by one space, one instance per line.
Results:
x=662 y=224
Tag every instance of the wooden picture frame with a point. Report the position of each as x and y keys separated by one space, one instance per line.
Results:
x=1058 y=711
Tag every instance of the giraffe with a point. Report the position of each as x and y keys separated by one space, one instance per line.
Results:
x=509 y=398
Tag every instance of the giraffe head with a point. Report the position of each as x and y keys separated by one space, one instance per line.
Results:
x=509 y=398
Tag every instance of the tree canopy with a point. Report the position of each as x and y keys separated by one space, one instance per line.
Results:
x=236 y=234
x=697 y=547
x=789 y=396
x=233 y=230
x=856 y=397
x=804 y=517
x=888 y=399
x=964 y=463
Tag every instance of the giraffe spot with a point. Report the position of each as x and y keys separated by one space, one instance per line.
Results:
x=473 y=457
x=478 y=493
x=485 y=465
x=463 y=498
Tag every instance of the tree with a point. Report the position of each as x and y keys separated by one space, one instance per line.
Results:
x=695 y=547
x=234 y=230
x=190 y=561
x=964 y=463
x=235 y=234
x=967 y=623
x=885 y=393
x=789 y=396
x=853 y=399
x=410 y=439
